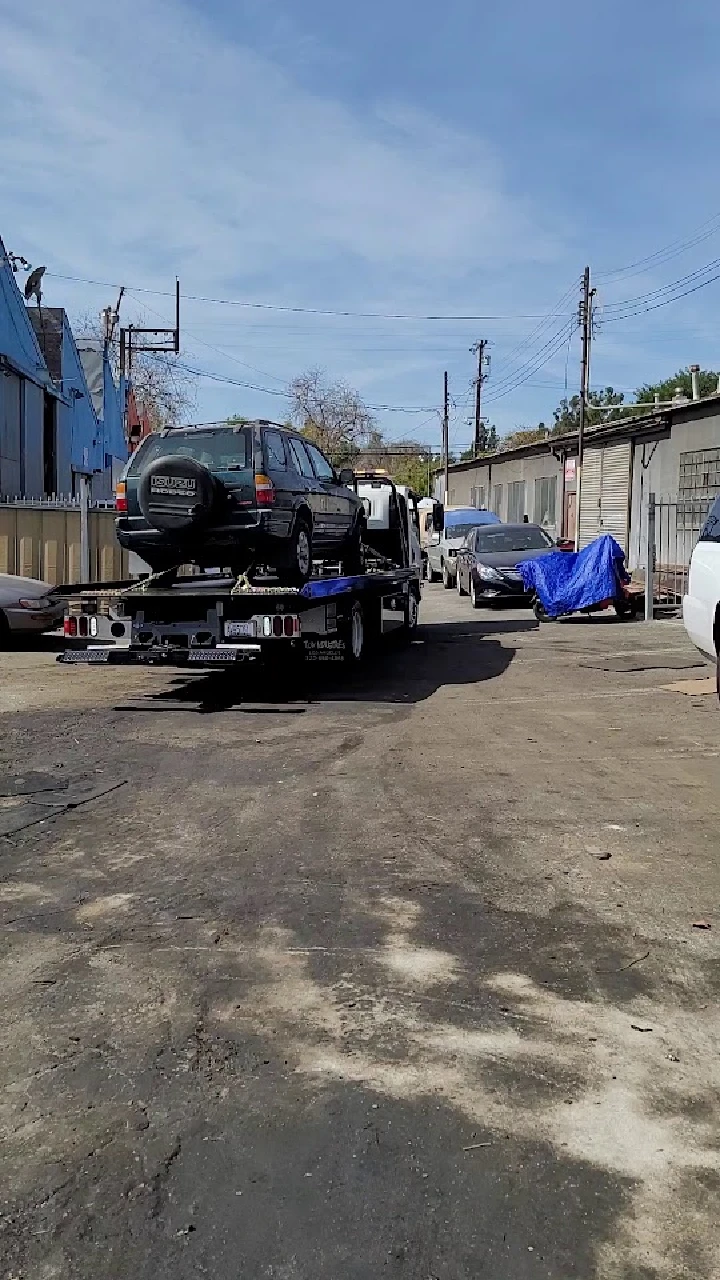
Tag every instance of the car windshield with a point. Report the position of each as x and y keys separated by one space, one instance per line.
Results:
x=217 y=450
x=499 y=538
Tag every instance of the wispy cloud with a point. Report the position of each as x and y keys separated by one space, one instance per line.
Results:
x=142 y=147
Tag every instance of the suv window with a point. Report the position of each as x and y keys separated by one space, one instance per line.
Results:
x=323 y=470
x=300 y=458
x=711 y=528
x=275 y=451
x=224 y=450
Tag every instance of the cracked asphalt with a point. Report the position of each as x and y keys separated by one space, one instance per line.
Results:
x=393 y=976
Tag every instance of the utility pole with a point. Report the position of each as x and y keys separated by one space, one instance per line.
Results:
x=478 y=349
x=586 y=329
x=446 y=442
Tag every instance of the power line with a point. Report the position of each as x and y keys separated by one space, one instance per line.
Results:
x=672 y=250
x=285 y=395
x=293 y=310
x=666 y=302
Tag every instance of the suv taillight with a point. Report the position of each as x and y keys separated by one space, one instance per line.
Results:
x=264 y=491
x=121 y=496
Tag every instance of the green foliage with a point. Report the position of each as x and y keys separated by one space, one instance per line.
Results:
x=683 y=379
x=567 y=415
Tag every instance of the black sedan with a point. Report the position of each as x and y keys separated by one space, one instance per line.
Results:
x=488 y=559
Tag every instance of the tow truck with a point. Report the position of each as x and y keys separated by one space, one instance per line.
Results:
x=188 y=619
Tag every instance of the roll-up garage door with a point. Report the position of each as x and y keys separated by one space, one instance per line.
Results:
x=590 y=483
x=614 y=497
x=604 y=494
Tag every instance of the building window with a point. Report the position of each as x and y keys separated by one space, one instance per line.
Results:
x=516 y=502
x=497 y=499
x=477 y=495
x=545 y=498
x=698 y=484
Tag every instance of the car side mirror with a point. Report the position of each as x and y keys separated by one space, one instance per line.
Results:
x=438 y=517
x=346 y=476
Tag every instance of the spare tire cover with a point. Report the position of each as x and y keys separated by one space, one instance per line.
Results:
x=176 y=493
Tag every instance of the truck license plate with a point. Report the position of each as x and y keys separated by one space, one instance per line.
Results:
x=239 y=630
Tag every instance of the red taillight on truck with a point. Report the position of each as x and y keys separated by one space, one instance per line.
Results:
x=121 y=496
x=264 y=491
x=70 y=627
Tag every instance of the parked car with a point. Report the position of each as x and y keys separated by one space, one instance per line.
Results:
x=701 y=605
x=26 y=605
x=487 y=562
x=231 y=496
x=443 y=547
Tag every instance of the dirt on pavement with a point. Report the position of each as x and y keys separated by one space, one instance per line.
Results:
x=393 y=975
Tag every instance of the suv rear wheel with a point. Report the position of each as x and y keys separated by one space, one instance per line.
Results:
x=299 y=566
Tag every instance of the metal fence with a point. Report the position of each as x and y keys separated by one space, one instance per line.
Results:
x=55 y=540
x=672 y=527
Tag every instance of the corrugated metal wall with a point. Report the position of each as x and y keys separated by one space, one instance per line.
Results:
x=43 y=542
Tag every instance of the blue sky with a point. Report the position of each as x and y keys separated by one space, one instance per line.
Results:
x=389 y=157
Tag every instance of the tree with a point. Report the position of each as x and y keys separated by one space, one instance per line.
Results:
x=524 y=436
x=164 y=389
x=488 y=444
x=331 y=414
x=567 y=415
x=707 y=378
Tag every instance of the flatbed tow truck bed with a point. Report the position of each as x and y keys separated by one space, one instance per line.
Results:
x=214 y=620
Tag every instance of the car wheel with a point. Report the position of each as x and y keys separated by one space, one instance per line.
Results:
x=717 y=674
x=4 y=631
x=300 y=559
x=430 y=573
x=460 y=588
x=446 y=579
x=475 y=600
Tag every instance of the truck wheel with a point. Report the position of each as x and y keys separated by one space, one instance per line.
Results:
x=299 y=567
x=430 y=573
x=446 y=579
x=355 y=636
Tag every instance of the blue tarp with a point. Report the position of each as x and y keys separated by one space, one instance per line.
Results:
x=565 y=581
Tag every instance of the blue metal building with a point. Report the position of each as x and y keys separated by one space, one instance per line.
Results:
x=61 y=412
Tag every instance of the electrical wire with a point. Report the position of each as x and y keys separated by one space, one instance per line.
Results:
x=285 y=395
x=664 y=303
x=555 y=345
x=669 y=289
x=293 y=310
x=666 y=254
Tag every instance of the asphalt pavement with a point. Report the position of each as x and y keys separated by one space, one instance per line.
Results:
x=412 y=973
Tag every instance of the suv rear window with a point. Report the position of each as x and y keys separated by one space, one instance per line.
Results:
x=229 y=450
x=711 y=528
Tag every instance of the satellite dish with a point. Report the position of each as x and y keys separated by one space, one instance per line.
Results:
x=32 y=285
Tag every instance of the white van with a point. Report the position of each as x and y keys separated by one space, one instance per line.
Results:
x=701 y=605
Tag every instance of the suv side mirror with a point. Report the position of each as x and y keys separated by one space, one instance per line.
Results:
x=346 y=476
x=438 y=517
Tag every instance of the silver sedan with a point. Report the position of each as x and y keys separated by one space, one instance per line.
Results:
x=26 y=605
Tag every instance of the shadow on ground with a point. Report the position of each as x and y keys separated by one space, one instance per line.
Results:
x=458 y=653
